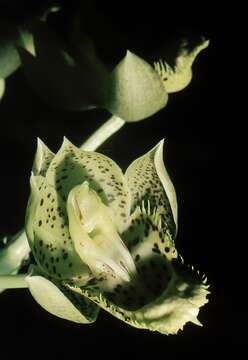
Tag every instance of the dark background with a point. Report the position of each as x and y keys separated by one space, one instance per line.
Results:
x=199 y=155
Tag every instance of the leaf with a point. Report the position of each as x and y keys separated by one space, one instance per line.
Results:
x=135 y=91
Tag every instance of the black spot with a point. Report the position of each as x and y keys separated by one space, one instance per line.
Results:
x=137 y=257
x=167 y=249
x=40 y=223
x=41 y=202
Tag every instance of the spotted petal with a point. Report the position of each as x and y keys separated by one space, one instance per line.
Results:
x=48 y=234
x=166 y=294
x=72 y=166
x=62 y=302
x=149 y=182
x=167 y=313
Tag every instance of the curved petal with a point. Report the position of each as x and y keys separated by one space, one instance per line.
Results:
x=148 y=180
x=48 y=234
x=178 y=304
x=62 y=302
x=136 y=91
x=72 y=166
x=42 y=160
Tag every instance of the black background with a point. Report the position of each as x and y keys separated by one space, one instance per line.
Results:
x=199 y=156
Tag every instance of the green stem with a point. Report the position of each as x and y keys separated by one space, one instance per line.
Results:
x=110 y=127
x=13 y=254
x=13 y=281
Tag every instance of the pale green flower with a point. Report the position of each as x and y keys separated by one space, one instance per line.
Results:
x=104 y=239
x=133 y=90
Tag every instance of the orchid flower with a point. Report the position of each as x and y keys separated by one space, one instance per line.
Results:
x=132 y=91
x=104 y=239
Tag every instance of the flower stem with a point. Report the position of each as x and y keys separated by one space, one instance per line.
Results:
x=13 y=281
x=110 y=127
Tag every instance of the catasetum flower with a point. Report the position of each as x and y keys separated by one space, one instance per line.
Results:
x=134 y=90
x=104 y=239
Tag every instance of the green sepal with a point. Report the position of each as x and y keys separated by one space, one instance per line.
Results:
x=42 y=160
x=148 y=179
x=61 y=302
x=135 y=91
x=48 y=234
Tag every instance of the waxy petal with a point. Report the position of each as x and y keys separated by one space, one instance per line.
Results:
x=42 y=160
x=95 y=236
x=136 y=91
x=48 y=234
x=72 y=166
x=148 y=180
x=61 y=302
